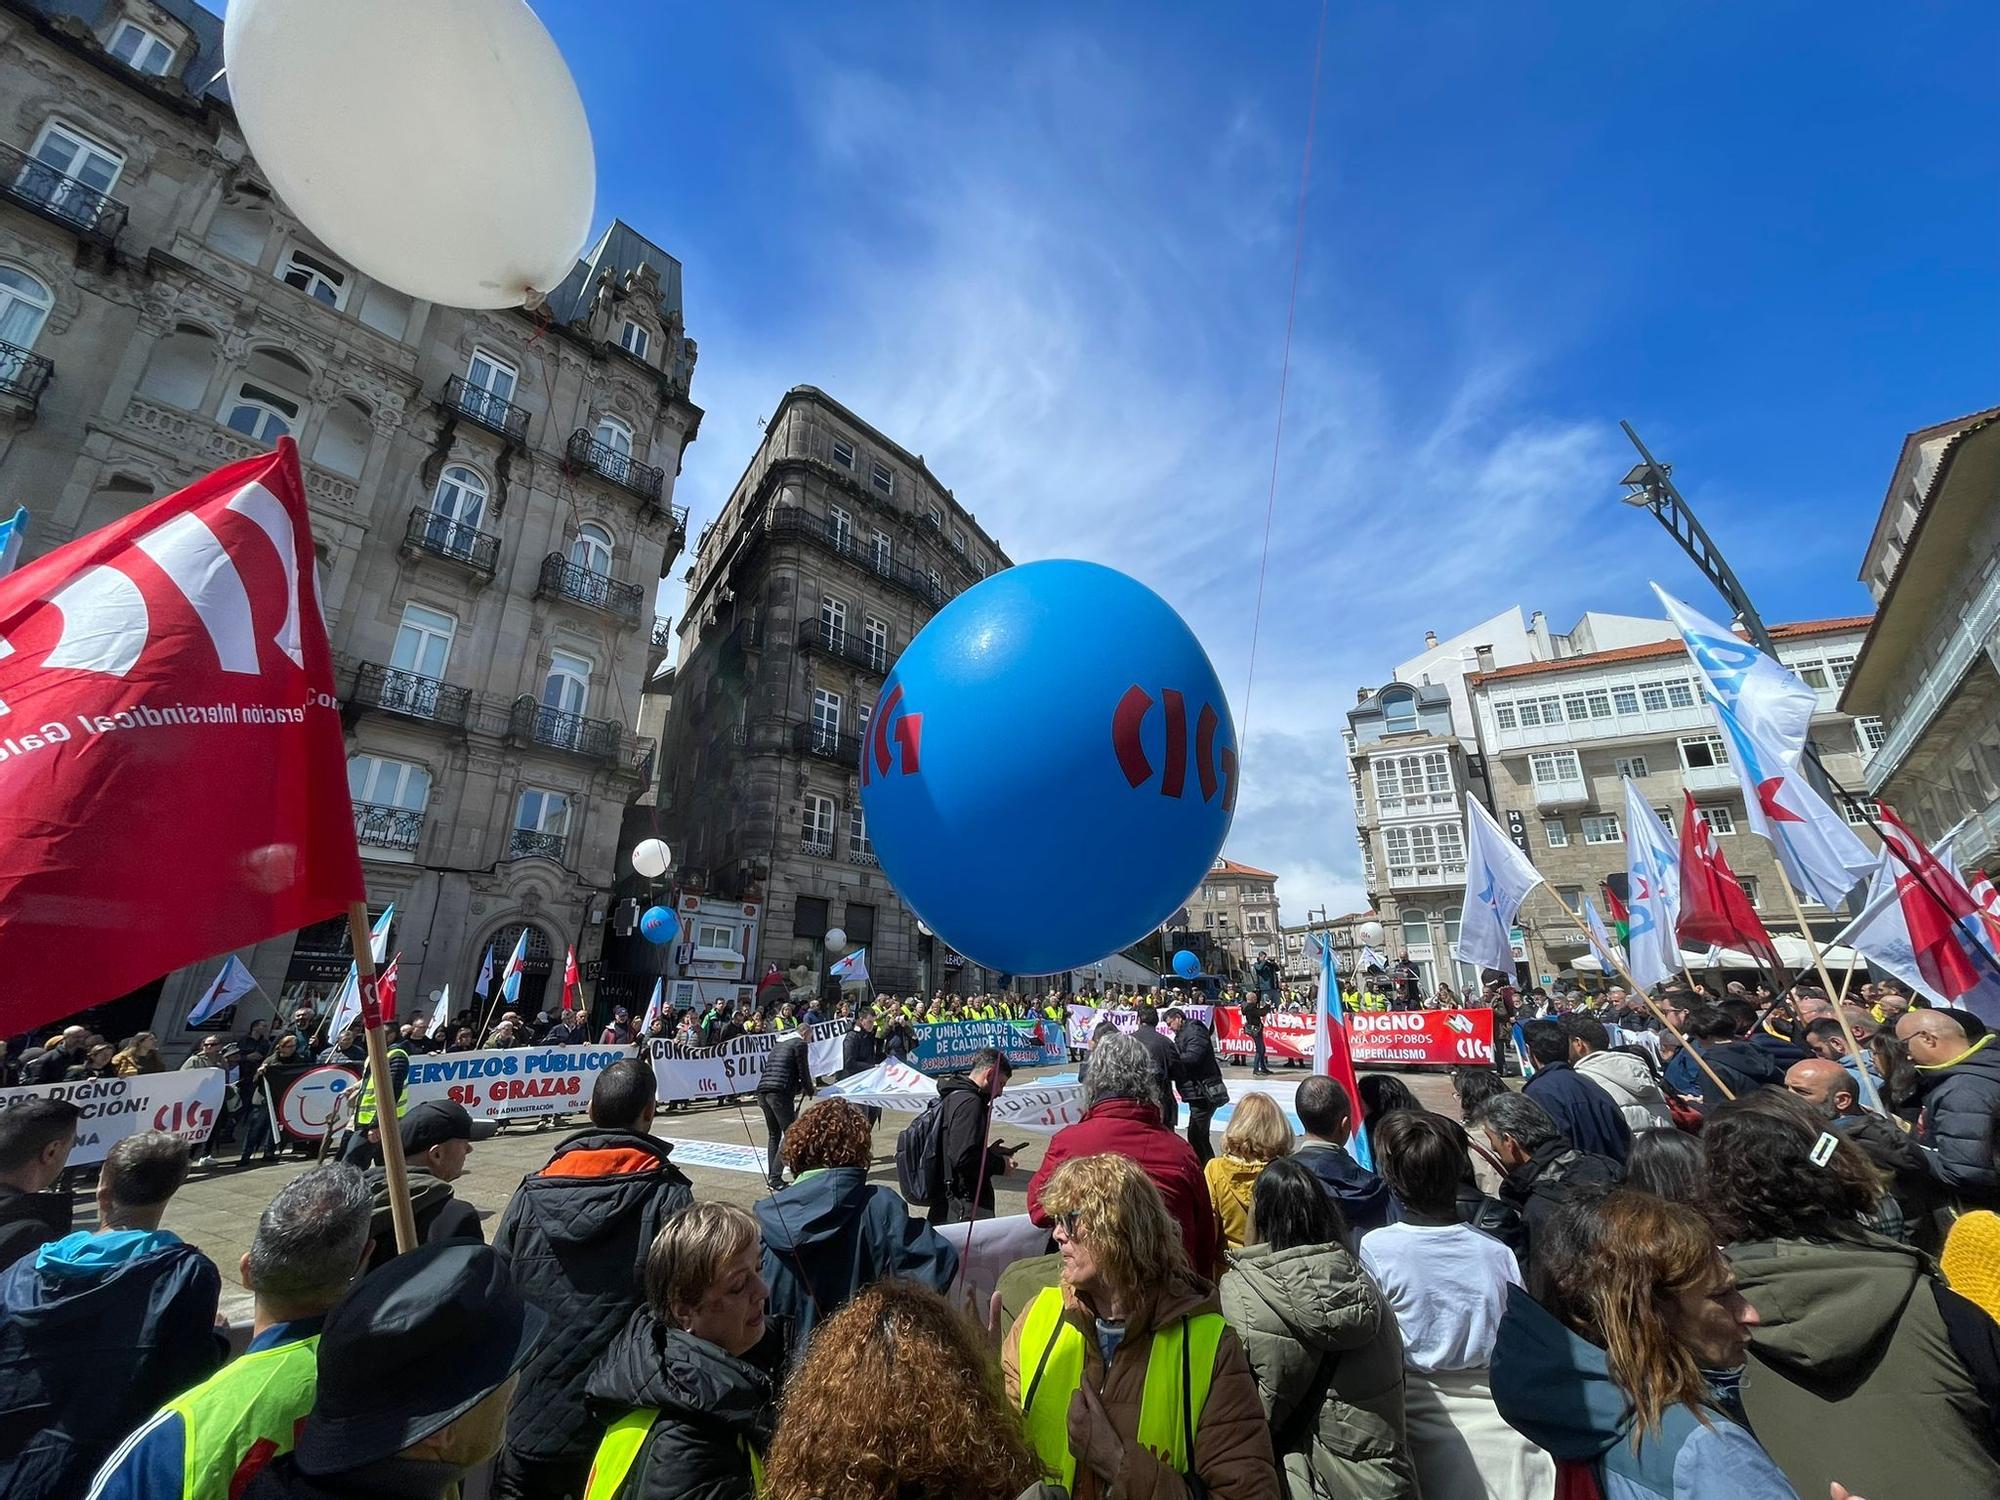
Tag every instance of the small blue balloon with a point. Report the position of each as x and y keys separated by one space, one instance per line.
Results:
x=659 y=925
x=1186 y=964
x=1051 y=768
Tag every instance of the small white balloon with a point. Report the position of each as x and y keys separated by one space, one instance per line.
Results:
x=923 y=930
x=652 y=858
x=836 y=940
x=1370 y=934
x=439 y=147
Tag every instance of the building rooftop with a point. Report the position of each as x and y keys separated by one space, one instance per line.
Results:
x=621 y=250
x=1230 y=867
x=1661 y=650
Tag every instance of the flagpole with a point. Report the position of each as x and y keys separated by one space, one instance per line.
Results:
x=1871 y=1096
x=387 y=1117
x=1640 y=990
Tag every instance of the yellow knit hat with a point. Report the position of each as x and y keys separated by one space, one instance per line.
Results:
x=1971 y=1259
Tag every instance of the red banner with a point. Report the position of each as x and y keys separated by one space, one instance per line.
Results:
x=1377 y=1037
x=1288 y=1035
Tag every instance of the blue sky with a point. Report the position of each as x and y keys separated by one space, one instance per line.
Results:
x=1048 y=247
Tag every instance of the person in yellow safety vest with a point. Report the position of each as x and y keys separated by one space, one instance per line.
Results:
x=207 y=1443
x=364 y=1147
x=683 y=1391
x=416 y=1366
x=1126 y=1376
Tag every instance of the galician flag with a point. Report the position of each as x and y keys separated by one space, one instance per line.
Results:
x=483 y=985
x=347 y=999
x=517 y=965
x=231 y=985
x=1653 y=892
x=13 y=536
x=1331 y=1054
x=852 y=969
x=441 y=1017
x=1600 y=940
x=1498 y=878
x=653 y=1008
x=1766 y=715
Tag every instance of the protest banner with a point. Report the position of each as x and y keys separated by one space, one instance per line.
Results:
x=514 y=1083
x=184 y=1102
x=986 y=1247
x=1288 y=1035
x=1041 y=1107
x=1084 y=1019
x=1441 y=1037
x=313 y=1102
x=735 y=1066
x=949 y=1046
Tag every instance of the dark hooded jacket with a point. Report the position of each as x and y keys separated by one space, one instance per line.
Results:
x=1738 y=1064
x=1583 y=1112
x=440 y=1213
x=1361 y=1196
x=1960 y=1123
x=1848 y=1329
x=97 y=1332
x=1556 y=1390
x=830 y=1234
x=29 y=1221
x=575 y=1236
x=967 y=1164
x=710 y=1403
x=1554 y=1176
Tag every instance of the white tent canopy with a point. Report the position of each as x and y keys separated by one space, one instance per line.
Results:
x=1794 y=951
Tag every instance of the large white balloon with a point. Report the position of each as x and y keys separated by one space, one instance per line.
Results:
x=651 y=857
x=1370 y=934
x=437 y=145
x=836 y=939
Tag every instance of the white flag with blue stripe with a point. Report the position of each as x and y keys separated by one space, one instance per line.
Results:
x=483 y=985
x=231 y=985
x=1498 y=877
x=653 y=1008
x=1652 y=892
x=852 y=969
x=347 y=1002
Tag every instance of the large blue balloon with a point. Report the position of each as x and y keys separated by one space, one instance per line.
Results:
x=1186 y=964
x=659 y=925
x=1051 y=767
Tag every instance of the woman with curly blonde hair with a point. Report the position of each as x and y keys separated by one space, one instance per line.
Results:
x=1126 y=1375
x=831 y=1232
x=935 y=1424
x=1257 y=1136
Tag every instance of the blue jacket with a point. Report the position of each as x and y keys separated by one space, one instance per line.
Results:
x=97 y=1332
x=1555 y=1389
x=833 y=1232
x=1363 y=1197
x=1583 y=1112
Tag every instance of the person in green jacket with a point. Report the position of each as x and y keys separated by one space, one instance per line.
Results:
x=1849 y=1325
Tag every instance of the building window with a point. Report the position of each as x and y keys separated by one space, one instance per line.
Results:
x=493 y=375
x=1503 y=715
x=541 y=824
x=1426 y=852
x=826 y=715
x=840 y=527
x=1416 y=924
x=591 y=550
x=24 y=308
x=70 y=153
x=1601 y=828
x=1699 y=752
x=1633 y=766
x=935 y=514
x=1257 y=922
x=1720 y=820
x=1549 y=767
x=566 y=688
x=1870 y=733
x=958 y=539
x=1413 y=783
x=315 y=275
x=1208 y=919
x=884 y=479
x=832 y=622
x=1840 y=668
x=458 y=501
x=863 y=712
x=423 y=643
x=1666 y=817
x=858 y=846
x=1749 y=884
x=615 y=435
x=937 y=583
x=1556 y=831
x=1674 y=693
x=843 y=453
x=1812 y=674
x=634 y=340
x=1571 y=896
x=378 y=782
x=875 y=636
x=259 y=412
x=1399 y=711
x=716 y=937
x=809 y=917
x=140 y=50
x=816 y=824
x=1859 y=811
x=884 y=551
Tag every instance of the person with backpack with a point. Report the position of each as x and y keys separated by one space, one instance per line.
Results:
x=943 y=1160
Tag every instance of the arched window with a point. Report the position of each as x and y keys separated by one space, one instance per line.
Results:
x=180 y=368
x=1416 y=927
x=460 y=497
x=1399 y=711
x=566 y=689
x=343 y=438
x=591 y=550
x=24 y=307
x=266 y=401
x=615 y=435
x=535 y=969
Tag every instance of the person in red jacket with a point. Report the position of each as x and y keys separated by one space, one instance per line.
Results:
x=1123 y=1118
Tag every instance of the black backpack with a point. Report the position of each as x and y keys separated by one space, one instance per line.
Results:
x=918 y=1147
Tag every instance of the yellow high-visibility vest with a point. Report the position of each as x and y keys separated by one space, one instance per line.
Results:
x=364 y=1111
x=620 y=1450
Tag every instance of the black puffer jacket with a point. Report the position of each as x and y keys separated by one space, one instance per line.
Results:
x=1556 y=1175
x=1201 y=1075
x=787 y=1068
x=710 y=1404
x=575 y=1236
x=1959 y=1128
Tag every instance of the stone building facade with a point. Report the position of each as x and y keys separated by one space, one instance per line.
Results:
x=1236 y=906
x=491 y=492
x=833 y=550
x=1557 y=738
x=1929 y=668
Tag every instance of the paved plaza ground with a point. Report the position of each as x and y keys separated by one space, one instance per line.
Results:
x=217 y=1210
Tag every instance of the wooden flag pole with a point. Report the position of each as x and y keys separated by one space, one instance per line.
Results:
x=1641 y=991
x=1871 y=1095
x=387 y=1117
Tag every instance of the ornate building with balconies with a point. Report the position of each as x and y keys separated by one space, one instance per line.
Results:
x=491 y=492
x=834 y=549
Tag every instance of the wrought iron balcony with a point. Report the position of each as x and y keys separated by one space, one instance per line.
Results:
x=23 y=377
x=663 y=631
x=827 y=744
x=494 y=413
x=861 y=856
x=525 y=843
x=41 y=189
x=855 y=650
x=377 y=827
x=822 y=848
x=622 y=469
x=566 y=580
x=438 y=534
x=539 y=724
x=400 y=692
x=793 y=520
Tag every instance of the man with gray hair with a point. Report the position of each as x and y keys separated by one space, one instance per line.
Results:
x=1544 y=1171
x=206 y=1444
x=1123 y=1118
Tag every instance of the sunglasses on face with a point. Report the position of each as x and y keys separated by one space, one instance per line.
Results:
x=1069 y=1223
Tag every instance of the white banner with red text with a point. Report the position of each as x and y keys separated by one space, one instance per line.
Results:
x=1041 y=1107
x=735 y=1066
x=184 y=1102
x=1084 y=1019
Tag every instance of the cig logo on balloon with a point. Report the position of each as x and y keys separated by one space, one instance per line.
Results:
x=1214 y=766
x=908 y=732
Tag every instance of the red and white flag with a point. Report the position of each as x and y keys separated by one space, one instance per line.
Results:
x=1714 y=906
x=173 y=779
x=1947 y=925
x=385 y=988
x=569 y=978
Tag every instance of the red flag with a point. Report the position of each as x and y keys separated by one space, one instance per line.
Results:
x=173 y=780
x=569 y=977
x=385 y=989
x=1714 y=906
x=1933 y=915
